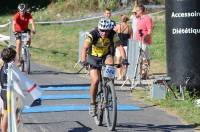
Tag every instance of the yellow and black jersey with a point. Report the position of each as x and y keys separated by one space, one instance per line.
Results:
x=100 y=46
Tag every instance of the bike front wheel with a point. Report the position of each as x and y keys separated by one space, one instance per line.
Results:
x=111 y=105
x=27 y=62
x=100 y=106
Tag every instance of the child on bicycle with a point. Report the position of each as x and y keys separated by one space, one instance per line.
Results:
x=20 y=24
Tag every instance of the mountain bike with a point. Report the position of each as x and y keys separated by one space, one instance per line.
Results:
x=25 y=54
x=106 y=97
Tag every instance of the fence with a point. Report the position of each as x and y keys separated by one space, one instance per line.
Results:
x=17 y=82
x=6 y=38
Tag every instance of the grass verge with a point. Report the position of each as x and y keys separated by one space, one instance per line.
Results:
x=186 y=109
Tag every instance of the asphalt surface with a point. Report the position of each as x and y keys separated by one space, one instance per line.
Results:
x=149 y=119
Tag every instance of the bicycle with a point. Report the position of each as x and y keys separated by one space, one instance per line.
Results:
x=106 y=97
x=25 y=53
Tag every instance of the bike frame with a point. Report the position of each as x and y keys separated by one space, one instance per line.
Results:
x=25 y=55
x=103 y=94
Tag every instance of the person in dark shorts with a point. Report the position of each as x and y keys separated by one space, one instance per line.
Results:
x=7 y=55
x=98 y=48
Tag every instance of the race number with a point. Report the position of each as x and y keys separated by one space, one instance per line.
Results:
x=109 y=72
x=24 y=37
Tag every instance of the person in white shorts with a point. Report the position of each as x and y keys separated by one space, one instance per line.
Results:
x=124 y=32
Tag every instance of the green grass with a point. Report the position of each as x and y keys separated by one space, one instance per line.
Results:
x=57 y=45
x=185 y=109
x=158 y=48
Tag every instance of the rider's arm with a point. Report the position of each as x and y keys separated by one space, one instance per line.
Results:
x=86 y=45
x=33 y=24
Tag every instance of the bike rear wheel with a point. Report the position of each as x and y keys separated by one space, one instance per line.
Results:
x=111 y=105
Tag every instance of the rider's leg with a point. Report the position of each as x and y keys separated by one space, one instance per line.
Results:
x=94 y=80
x=18 y=51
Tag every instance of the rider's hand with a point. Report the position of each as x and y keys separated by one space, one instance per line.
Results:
x=15 y=33
x=83 y=63
x=33 y=31
x=125 y=62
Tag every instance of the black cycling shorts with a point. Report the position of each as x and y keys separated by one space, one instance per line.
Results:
x=18 y=34
x=4 y=98
x=94 y=61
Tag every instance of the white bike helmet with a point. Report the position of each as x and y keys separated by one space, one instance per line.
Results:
x=105 y=24
x=22 y=7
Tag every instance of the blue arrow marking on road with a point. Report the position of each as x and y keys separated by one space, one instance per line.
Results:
x=40 y=109
x=65 y=96
x=63 y=88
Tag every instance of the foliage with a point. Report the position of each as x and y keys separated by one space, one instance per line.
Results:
x=112 y=4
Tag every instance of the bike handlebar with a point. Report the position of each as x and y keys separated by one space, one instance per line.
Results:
x=101 y=65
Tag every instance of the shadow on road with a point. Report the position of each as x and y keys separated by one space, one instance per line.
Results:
x=83 y=128
x=52 y=72
x=51 y=126
x=153 y=127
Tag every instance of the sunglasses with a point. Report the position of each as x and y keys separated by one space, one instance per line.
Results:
x=104 y=30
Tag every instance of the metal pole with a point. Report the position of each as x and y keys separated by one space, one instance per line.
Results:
x=9 y=80
x=10 y=30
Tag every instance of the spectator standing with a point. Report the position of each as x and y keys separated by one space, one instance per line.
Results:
x=107 y=14
x=124 y=32
x=144 y=35
x=134 y=20
x=7 y=55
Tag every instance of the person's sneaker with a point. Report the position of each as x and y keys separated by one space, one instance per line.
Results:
x=92 y=110
x=36 y=102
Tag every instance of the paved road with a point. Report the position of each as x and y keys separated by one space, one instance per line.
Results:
x=148 y=119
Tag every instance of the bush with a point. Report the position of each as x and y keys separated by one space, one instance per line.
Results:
x=112 y=4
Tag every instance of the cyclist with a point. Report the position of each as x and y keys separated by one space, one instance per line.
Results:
x=98 y=48
x=7 y=55
x=20 y=24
